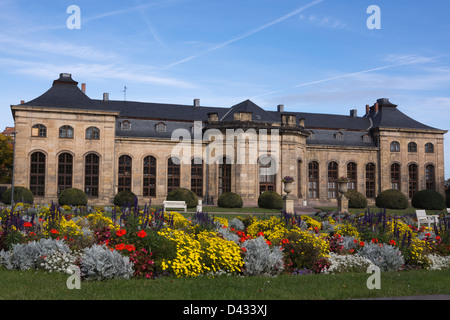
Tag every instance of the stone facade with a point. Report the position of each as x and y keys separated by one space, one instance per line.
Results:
x=313 y=149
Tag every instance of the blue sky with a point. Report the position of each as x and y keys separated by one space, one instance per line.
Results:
x=310 y=55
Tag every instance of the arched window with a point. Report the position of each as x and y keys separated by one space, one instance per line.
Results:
x=429 y=148
x=197 y=176
x=125 y=167
x=91 y=174
x=313 y=179
x=65 y=171
x=412 y=147
x=370 y=180
x=413 y=171
x=395 y=176
x=66 y=132
x=430 y=178
x=352 y=176
x=37 y=174
x=39 y=130
x=224 y=176
x=125 y=125
x=333 y=173
x=149 y=186
x=266 y=174
x=395 y=146
x=173 y=174
x=92 y=133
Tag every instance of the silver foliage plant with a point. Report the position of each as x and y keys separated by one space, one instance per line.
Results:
x=260 y=259
x=347 y=263
x=386 y=257
x=100 y=263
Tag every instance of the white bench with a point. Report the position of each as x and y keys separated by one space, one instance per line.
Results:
x=199 y=206
x=424 y=218
x=174 y=205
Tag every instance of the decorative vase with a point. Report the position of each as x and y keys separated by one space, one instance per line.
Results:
x=342 y=186
x=288 y=187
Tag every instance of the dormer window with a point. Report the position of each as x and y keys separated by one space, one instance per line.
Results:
x=160 y=127
x=366 y=138
x=125 y=125
x=312 y=135
x=339 y=136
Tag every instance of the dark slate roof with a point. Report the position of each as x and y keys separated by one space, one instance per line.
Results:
x=142 y=128
x=258 y=114
x=349 y=138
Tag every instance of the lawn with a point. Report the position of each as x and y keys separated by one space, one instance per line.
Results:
x=39 y=285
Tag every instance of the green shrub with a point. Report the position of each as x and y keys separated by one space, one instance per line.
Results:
x=230 y=200
x=183 y=194
x=21 y=194
x=124 y=198
x=391 y=199
x=270 y=200
x=72 y=197
x=356 y=199
x=428 y=199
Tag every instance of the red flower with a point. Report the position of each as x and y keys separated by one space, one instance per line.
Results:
x=244 y=250
x=361 y=244
x=374 y=240
x=260 y=234
x=120 y=246
x=27 y=224
x=130 y=247
x=392 y=242
x=54 y=231
x=120 y=232
x=142 y=234
x=268 y=242
x=284 y=241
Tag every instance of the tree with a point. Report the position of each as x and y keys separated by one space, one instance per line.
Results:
x=6 y=159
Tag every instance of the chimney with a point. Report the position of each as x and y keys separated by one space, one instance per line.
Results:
x=301 y=122
x=367 y=109
x=376 y=107
x=22 y=101
x=280 y=108
x=196 y=102
x=83 y=87
x=106 y=96
x=353 y=113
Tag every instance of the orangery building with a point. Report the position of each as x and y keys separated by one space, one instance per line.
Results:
x=65 y=139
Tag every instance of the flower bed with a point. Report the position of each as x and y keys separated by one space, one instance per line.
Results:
x=110 y=243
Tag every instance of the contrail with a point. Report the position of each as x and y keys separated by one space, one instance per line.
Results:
x=265 y=26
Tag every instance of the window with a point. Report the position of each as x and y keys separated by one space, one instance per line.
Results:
x=65 y=171
x=430 y=177
x=125 y=125
x=412 y=147
x=366 y=138
x=352 y=176
x=149 y=177
x=197 y=176
x=125 y=167
x=91 y=174
x=332 y=180
x=299 y=178
x=313 y=179
x=173 y=174
x=312 y=135
x=266 y=174
x=66 y=132
x=429 y=148
x=339 y=136
x=413 y=180
x=370 y=180
x=92 y=133
x=224 y=176
x=395 y=146
x=160 y=127
x=37 y=174
x=395 y=176
x=39 y=130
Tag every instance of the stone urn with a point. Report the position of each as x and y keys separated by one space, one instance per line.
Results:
x=288 y=187
x=342 y=187
x=342 y=199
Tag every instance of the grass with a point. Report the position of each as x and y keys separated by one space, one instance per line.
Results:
x=39 y=285
x=407 y=211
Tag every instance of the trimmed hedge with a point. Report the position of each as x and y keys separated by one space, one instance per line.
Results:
x=356 y=199
x=230 y=200
x=428 y=199
x=72 y=197
x=270 y=200
x=124 y=198
x=391 y=199
x=183 y=194
x=21 y=194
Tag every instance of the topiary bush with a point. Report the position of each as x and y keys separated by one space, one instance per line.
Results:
x=21 y=194
x=356 y=199
x=230 y=200
x=270 y=200
x=124 y=198
x=72 y=197
x=391 y=199
x=183 y=194
x=428 y=199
